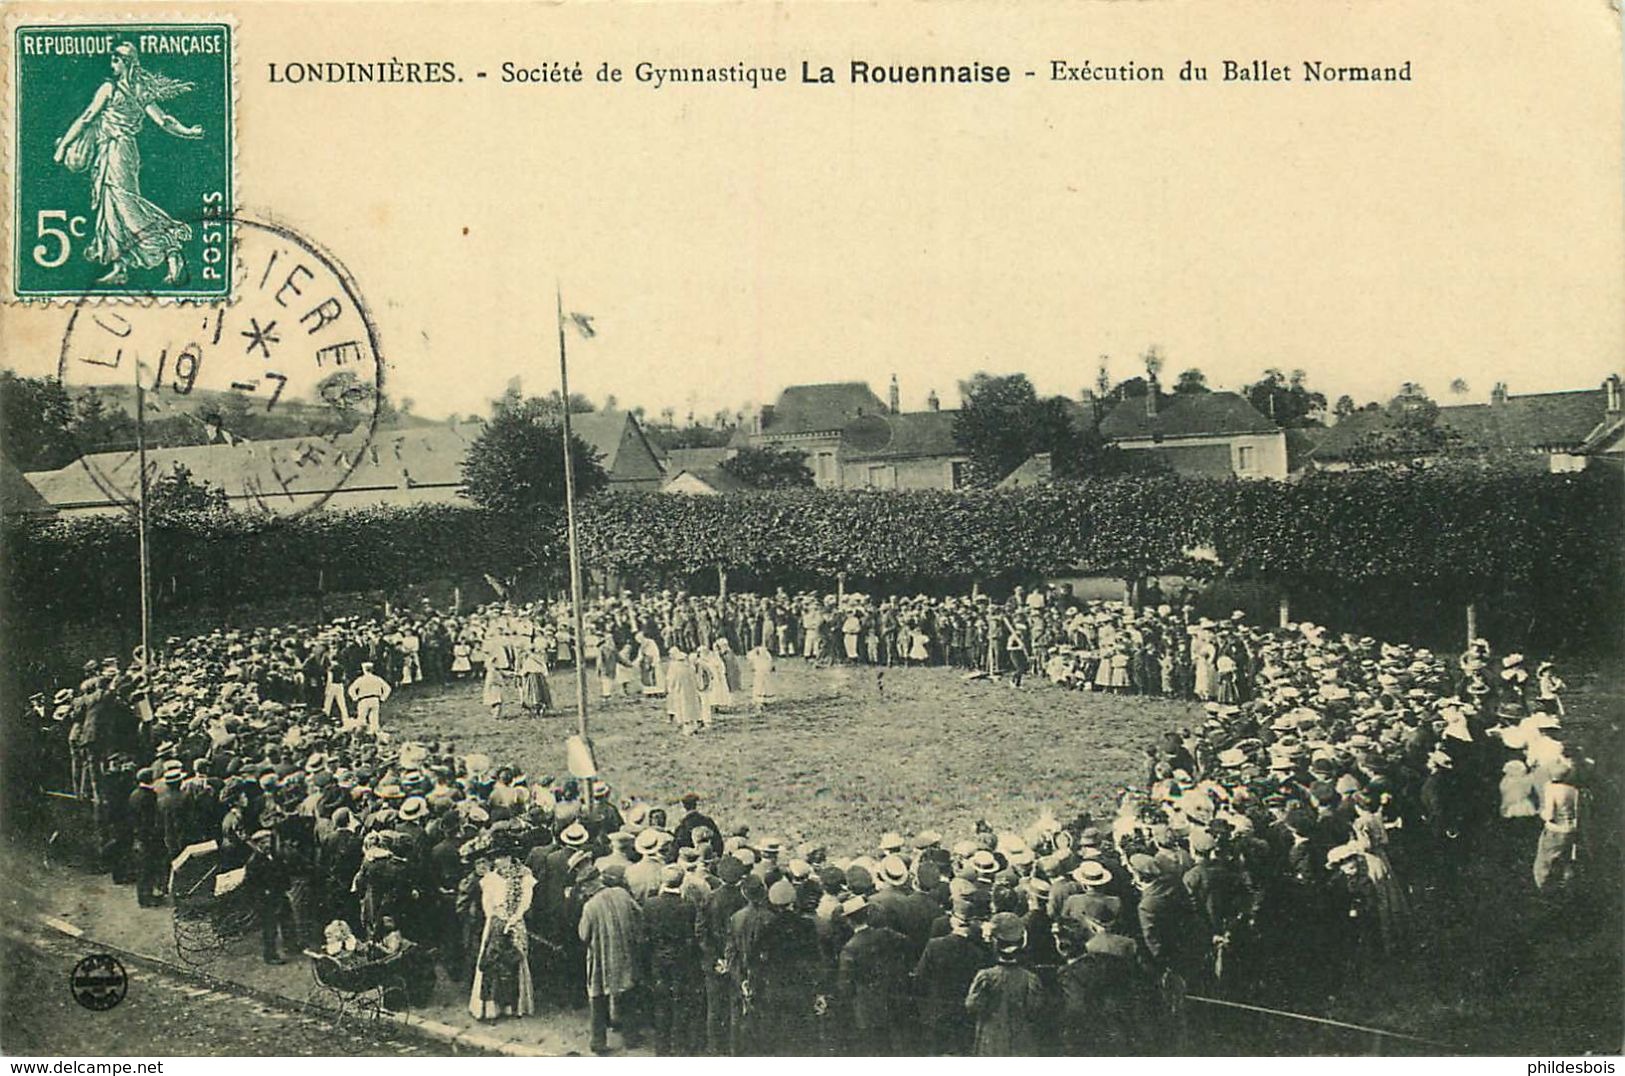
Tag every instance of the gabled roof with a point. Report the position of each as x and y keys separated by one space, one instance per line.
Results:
x=1339 y=440
x=1037 y=470
x=606 y=432
x=913 y=435
x=704 y=480
x=821 y=408
x=1605 y=439
x=1200 y=414
x=17 y=495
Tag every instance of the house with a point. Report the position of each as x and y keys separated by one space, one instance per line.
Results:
x=854 y=440
x=625 y=451
x=705 y=482
x=18 y=497
x=395 y=467
x=1553 y=431
x=1217 y=434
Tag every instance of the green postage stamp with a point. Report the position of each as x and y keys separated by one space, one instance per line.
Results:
x=121 y=160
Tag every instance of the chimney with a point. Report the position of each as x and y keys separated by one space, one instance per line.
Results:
x=1611 y=389
x=894 y=397
x=1153 y=389
x=1498 y=394
x=934 y=404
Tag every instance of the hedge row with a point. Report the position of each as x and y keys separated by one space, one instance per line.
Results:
x=1470 y=535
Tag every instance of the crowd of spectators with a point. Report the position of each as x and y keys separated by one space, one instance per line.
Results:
x=1329 y=780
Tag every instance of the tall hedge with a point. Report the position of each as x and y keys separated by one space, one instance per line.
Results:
x=1544 y=538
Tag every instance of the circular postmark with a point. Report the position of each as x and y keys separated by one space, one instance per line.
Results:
x=271 y=397
x=99 y=982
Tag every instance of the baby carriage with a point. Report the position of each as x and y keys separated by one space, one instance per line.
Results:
x=366 y=983
x=211 y=906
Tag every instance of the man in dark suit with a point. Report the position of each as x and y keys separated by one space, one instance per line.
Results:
x=716 y=914
x=1169 y=926
x=791 y=991
x=744 y=959
x=943 y=975
x=871 y=980
x=151 y=857
x=692 y=819
x=676 y=986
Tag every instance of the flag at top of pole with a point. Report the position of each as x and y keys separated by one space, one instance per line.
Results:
x=583 y=325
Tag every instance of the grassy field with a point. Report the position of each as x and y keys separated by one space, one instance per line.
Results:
x=834 y=759
x=838 y=761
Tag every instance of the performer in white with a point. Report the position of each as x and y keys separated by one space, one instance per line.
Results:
x=368 y=691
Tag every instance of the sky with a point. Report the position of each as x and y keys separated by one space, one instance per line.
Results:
x=729 y=242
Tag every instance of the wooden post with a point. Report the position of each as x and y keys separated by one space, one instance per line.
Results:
x=722 y=582
x=1286 y=609
x=456 y=600
x=840 y=588
x=1472 y=622
x=321 y=590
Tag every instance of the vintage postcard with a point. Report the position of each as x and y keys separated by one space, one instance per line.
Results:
x=812 y=530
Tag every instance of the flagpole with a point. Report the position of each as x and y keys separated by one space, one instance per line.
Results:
x=141 y=518
x=570 y=526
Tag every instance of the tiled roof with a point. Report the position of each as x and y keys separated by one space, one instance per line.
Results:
x=822 y=408
x=914 y=434
x=1539 y=420
x=1544 y=421
x=1200 y=414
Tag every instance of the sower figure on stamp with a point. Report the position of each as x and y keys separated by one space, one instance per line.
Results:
x=130 y=230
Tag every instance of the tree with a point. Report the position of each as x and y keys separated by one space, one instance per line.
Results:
x=690 y=436
x=1410 y=431
x=36 y=422
x=1344 y=406
x=1191 y=382
x=1153 y=360
x=516 y=464
x=1459 y=387
x=178 y=498
x=1285 y=398
x=1001 y=423
x=770 y=468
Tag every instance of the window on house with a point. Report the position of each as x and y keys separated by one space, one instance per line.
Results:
x=1246 y=460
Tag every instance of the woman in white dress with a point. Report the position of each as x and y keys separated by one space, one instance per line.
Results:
x=502 y=985
x=651 y=672
x=717 y=694
x=761 y=675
